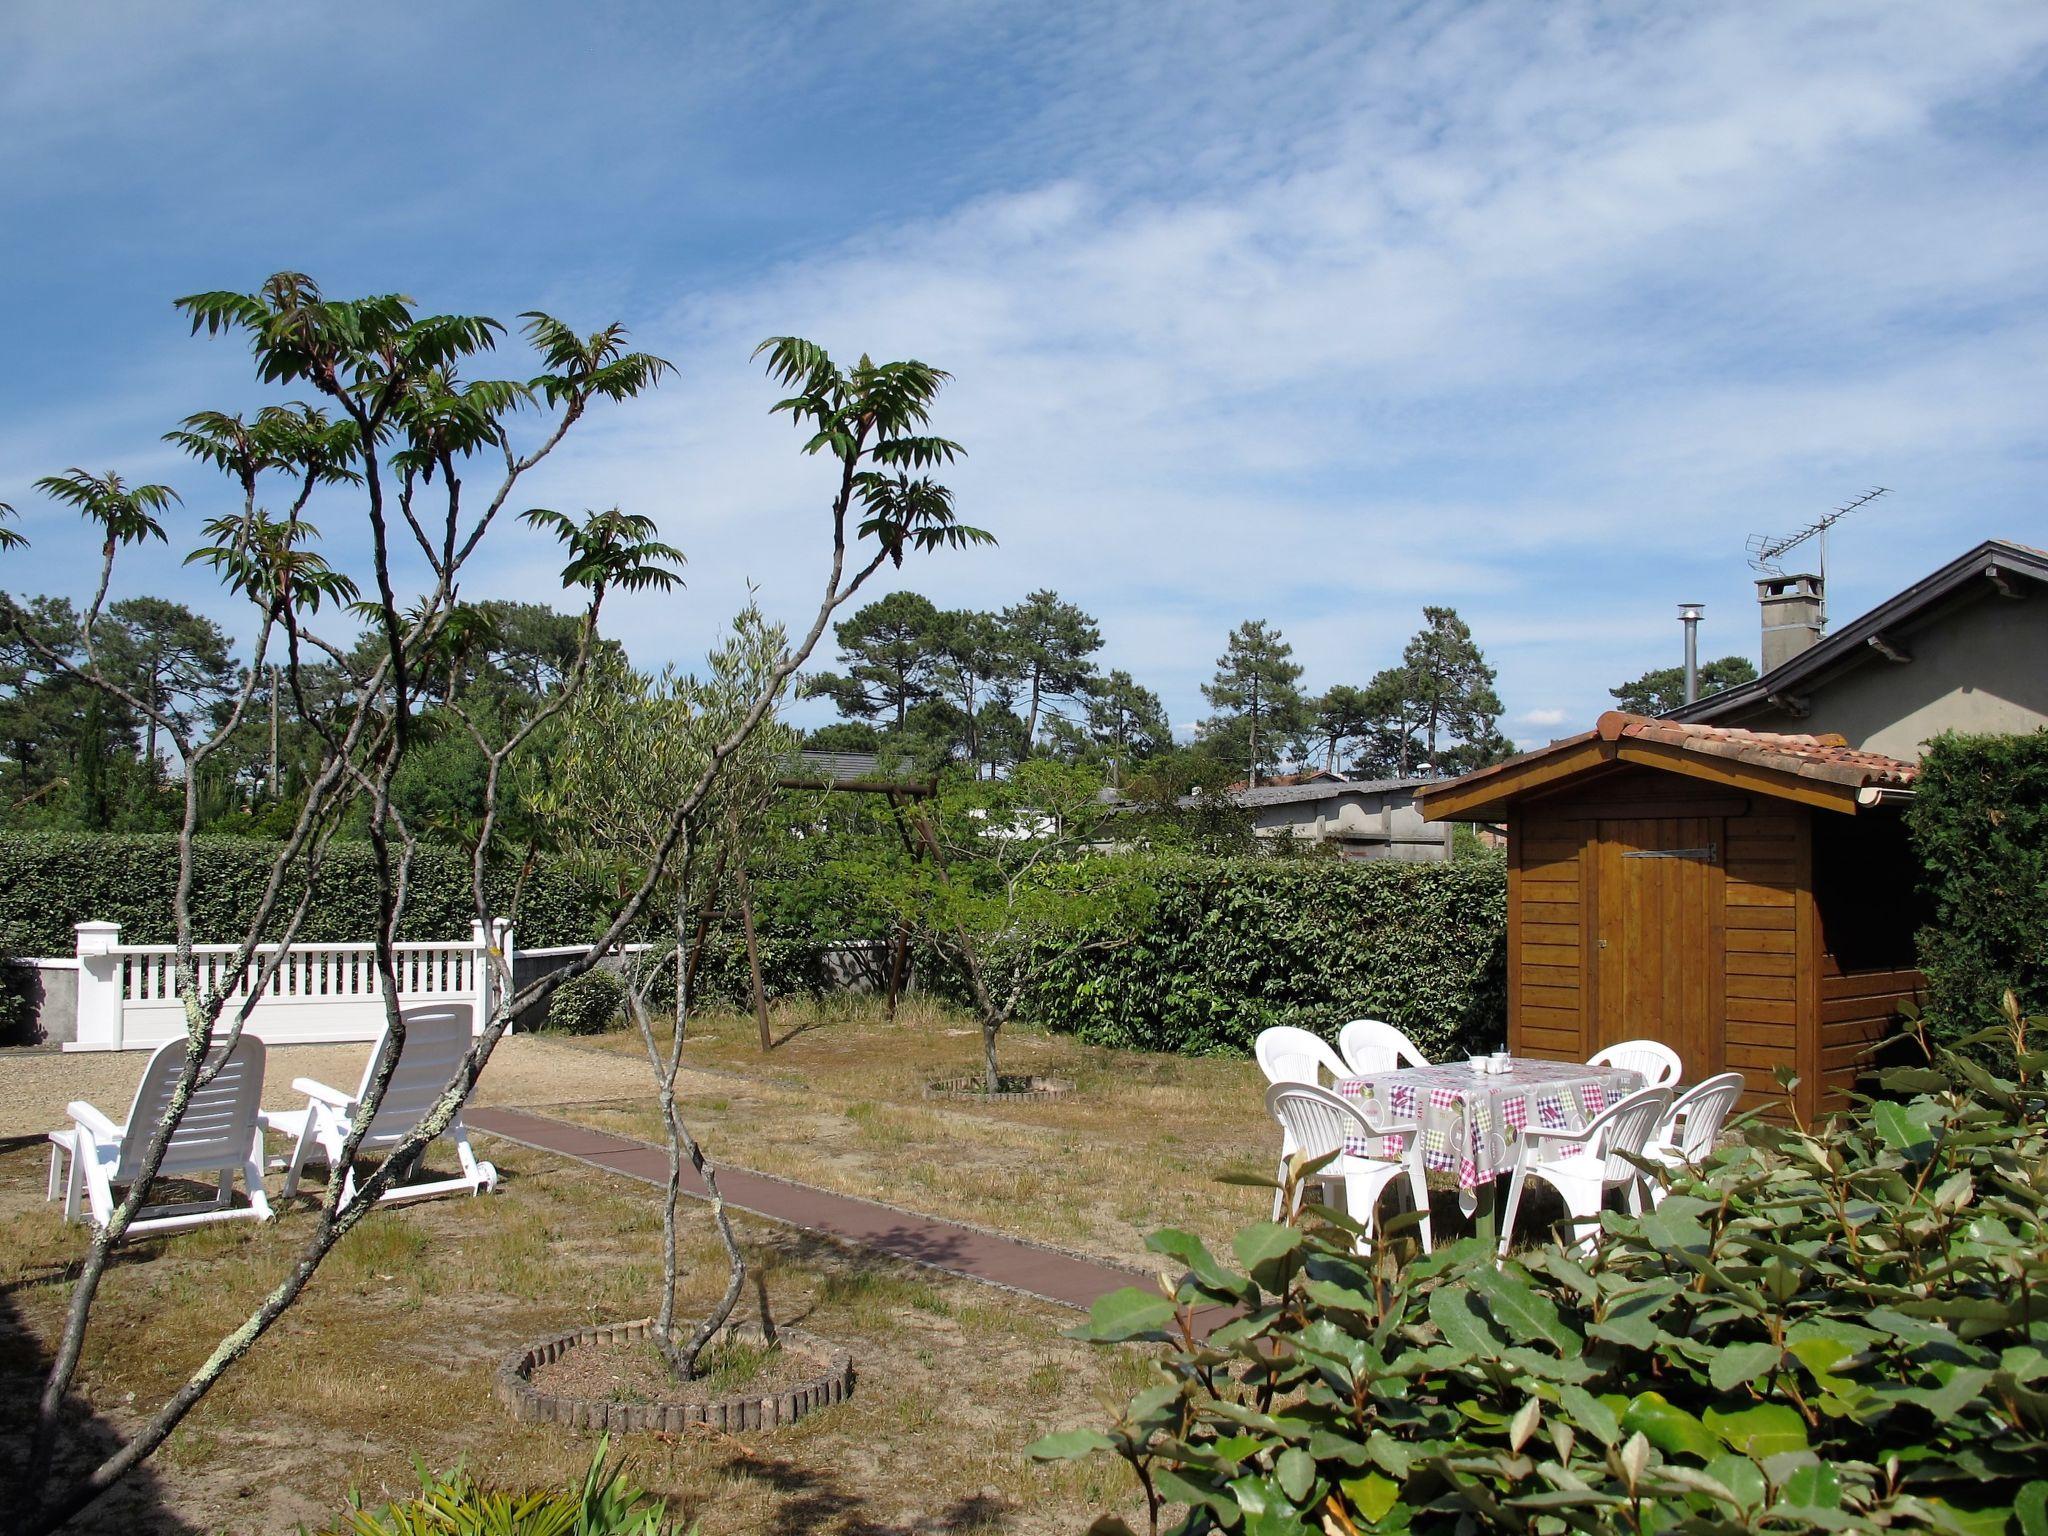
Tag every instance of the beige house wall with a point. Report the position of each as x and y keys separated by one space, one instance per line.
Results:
x=1979 y=668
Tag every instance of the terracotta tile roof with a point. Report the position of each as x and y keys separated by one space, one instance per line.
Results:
x=1828 y=757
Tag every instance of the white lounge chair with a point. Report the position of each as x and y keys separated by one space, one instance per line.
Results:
x=1658 y=1063
x=1317 y=1122
x=1371 y=1047
x=1693 y=1124
x=216 y=1139
x=1583 y=1165
x=435 y=1040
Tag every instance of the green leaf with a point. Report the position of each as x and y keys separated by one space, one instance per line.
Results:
x=1202 y=1264
x=1899 y=1129
x=1519 y=1310
x=1455 y=1311
x=1589 y=1413
x=1741 y=1477
x=1264 y=1241
x=1768 y=1429
x=1814 y=1487
x=1296 y=1472
x=1372 y=1496
x=1130 y=1313
x=2030 y=1509
x=1068 y=1445
x=1668 y=1427
x=1741 y=1364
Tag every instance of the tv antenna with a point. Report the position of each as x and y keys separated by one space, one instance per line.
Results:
x=1765 y=552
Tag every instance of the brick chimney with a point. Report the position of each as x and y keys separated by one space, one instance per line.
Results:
x=1792 y=609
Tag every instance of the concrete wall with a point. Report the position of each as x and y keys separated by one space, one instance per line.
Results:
x=1369 y=826
x=51 y=988
x=1977 y=668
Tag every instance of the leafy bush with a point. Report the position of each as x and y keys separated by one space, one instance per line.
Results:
x=1979 y=822
x=452 y=1504
x=1839 y=1330
x=587 y=1004
x=51 y=880
x=1229 y=947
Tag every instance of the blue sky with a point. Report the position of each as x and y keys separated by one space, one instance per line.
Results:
x=1307 y=313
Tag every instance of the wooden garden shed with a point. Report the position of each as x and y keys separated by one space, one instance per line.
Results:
x=1746 y=897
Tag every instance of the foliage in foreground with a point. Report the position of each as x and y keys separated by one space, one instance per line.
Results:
x=1835 y=1330
x=452 y=1504
x=588 y=1004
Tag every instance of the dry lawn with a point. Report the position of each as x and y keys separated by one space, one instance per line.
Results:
x=391 y=1354
x=392 y=1351
x=839 y=1103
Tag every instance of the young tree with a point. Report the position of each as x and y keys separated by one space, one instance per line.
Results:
x=407 y=428
x=1663 y=688
x=1049 y=643
x=1450 y=687
x=890 y=658
x=175 y=661
x=1343 y=715
x=1255 y=691
x=631 y=748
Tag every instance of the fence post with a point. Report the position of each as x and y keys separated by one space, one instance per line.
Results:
x=99 y=985
x=501 y=940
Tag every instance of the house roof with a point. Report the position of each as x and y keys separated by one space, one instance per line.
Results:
x=1991 y=563
x=1327 y=789
x=1818 y=770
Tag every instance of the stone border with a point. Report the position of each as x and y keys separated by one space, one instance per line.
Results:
x=970 y=1090
x=530 y=1405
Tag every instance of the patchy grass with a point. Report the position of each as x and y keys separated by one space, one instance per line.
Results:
x=839 y=1103
x=391 y=1353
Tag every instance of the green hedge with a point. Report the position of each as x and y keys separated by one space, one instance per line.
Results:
x=51 y=880
x=1979 y=822
x=1235 y=945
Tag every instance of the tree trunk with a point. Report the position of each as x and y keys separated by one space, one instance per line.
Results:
x=753 y=954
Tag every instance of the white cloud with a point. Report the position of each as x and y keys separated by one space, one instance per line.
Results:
x=1541 y=717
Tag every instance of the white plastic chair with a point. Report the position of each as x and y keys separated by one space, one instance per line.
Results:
x=1658 y=1063
x=1583 y=1165
x=1371 y=1047
x=1317 y=1122
x=1289 y=1055
x=1693 y=1125
x=216 y=1139
x=435 y=1040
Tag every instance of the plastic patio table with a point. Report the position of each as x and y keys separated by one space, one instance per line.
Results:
x=1472 y=1122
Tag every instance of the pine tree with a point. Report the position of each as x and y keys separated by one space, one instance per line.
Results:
x=1255 y=690
x=1050 y=643
x=890 y=660
x=1451 y=688
x=1663 y=688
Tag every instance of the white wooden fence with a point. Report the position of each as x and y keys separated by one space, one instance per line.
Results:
x=128 y=995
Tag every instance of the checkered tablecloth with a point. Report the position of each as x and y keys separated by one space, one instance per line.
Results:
x=1472 y=1123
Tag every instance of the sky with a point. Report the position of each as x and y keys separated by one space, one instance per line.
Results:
x=1307 y=313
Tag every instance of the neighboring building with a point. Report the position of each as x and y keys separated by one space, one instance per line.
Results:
x=1363 y=819
x=1965 y=649
x=1745 y=897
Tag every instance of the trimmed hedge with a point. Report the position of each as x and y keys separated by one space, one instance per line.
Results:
x=1979 y=823
x=1235 y=945
x=51 y=880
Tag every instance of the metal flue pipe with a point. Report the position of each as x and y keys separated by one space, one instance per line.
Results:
x=1689 y=616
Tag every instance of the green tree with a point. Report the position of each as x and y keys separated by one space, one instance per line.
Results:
x=1450 y=686
x=976 y=674
x=1344 y=716
x=1256 y=695
x=1124 y=724
x=1050 y=643
x=175 y=661
x=1663 y=688
x=890 y=659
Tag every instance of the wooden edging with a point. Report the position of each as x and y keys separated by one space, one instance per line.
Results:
x=530 y=1405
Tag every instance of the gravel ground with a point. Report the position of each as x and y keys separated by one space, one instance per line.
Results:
x=525 y=1071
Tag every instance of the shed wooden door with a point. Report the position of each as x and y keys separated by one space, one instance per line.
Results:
x=1658 y=933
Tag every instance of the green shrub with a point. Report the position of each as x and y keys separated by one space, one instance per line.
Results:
x=1840 y=1330
x=587 y=1004
x=452 y=1504
x=51 y=880
x=1979 y=822
x=1233 y=946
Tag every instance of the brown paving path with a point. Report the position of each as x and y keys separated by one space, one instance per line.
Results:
x=984 y=1256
